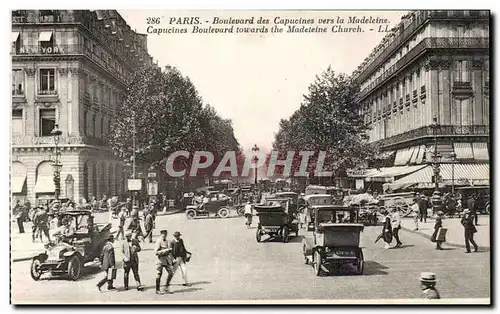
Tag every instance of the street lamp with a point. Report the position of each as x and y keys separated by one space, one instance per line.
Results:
x=57 y=165
x=436 y=157
x=453 y=157
x=255 y=150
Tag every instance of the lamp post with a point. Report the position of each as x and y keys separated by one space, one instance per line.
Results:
x=453 y=157
x=57 y=165
x=255 y=150
x=436 y=157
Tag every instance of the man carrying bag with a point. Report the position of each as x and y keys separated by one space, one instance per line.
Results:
x=181 y=256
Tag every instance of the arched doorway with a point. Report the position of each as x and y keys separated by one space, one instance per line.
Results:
x=44 y=186
x=70 y=187
x=86 y=181
x=18 y=181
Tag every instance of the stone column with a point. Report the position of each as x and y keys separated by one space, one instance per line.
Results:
x=432 y=66
x=445 y=108
x=477 y=103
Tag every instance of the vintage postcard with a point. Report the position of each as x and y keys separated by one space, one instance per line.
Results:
x=250 y=157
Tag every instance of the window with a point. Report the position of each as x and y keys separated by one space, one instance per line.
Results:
x=16 y=42
x=462 y=73
x=94 y=125
x=47 y=81
x=17 y=82
x=17 y=122
x=47 y=121
x=46 y=40
x=102 y=126
x=85 y=125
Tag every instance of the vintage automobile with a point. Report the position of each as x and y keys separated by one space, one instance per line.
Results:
x=277 y=217
x=69 y=254
x=217 y=208
x=311 y=201
x=334 y=240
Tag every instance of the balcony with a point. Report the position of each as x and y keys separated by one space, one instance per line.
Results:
x=462 y=89
x=427 y=44
x=64 y=139
x=443 y=130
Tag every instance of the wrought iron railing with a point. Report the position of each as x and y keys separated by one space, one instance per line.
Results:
x=442 y=130
x=63 y=140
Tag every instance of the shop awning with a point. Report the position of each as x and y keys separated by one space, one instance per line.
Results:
x=388 y=174
x=17 y=183
x=45 y=36
x=45 y=184
x=15 y=36
x=464 y=175
x=463 y=150
x=480 y=151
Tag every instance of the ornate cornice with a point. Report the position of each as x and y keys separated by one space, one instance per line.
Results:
x=63 y=71
x=477 y=64
x=30 y=71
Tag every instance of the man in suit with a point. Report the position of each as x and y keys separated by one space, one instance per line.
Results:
x=423 y=203
x=396 y=225
x=130 y=248
x=148 y=225
x=165 y=260
x=180 y=253
x=428 y=284
x=471 y=205
x=108 y=264
x=469 y=230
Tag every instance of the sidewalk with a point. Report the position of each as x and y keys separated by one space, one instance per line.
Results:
x=22 y=247
x=455 y=233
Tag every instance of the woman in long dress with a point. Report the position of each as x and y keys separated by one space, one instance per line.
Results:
x=387 y=231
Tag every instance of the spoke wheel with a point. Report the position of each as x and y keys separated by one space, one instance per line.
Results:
x=223 y=212
x=258 y=235
x=360 y=264
x=317 y=263
x=401 y=205
x=285 y=234
x=35 y=270
x=74 y=268
x=190 y=214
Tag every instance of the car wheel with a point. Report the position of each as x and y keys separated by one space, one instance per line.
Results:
x=35 y=270
x=317 y=263
x=297 y=232
x=487 y=209
x=360 y=265
x=285 y=233
x=241 y=211
x=304 y=251
x=74 y=268
x=258 y=235
x=223 y=212
x=191 y=214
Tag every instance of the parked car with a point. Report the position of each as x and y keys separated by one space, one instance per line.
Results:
x=277 y=217
x=68 y=255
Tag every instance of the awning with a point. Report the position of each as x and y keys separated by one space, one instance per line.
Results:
x=17 y=183
x=15 y=36
x=464 y=175
x=388 y=174
x=45 y=36
x=45 y=184
x=480 y=151
x=463 y=150
x=420 y=155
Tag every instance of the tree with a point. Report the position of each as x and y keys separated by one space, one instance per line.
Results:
x=328 y=120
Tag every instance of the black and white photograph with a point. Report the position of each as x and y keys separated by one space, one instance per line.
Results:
x=250 y=157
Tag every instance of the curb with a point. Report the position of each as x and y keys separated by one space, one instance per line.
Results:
x=22 y=259
x=170 y=213
x=483 y=248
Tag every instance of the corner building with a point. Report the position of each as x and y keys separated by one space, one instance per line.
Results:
x=433 y=64
x=69 y=67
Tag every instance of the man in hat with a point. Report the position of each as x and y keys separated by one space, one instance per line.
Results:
x=148 y=225
x=437 y=226
x=423 y=204
x=163 y=251
x=122 y=217
x=180 y=255
x=396 y=225
x=469 y=230
x=428 y=285
x=130 y=248
x=108 y=264
x=471 y=205
x=42 y=221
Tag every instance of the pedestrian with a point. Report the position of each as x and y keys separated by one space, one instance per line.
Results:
x=128 y=205
x=43 y=223
x=163 y=251
x=423 y=204
x=471 y=205
x=248 y=215
x=108 y=264
x=437 y=227
x=130 y=248
x=428 y=285
x=469 y=230
x=122 y=217
x=19 y=214
x=387 y=229
x=416 y=213
x=148 y=226
x=181 y=257
x=396 y=226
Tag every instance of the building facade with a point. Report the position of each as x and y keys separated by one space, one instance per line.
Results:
x=434 y=65
x=69 y=67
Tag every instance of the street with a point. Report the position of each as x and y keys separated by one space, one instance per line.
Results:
x=229 y=264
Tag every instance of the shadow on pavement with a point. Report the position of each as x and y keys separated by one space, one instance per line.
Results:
x=296 y=239
x=374 y=268
x=189 y=289
x=402 y=246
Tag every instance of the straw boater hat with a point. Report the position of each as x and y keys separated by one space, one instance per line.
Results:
x=177 y=234
x=428 y=277
x=163 y=231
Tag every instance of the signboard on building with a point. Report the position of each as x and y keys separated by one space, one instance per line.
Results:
x=153 y=188
x=152 y=175
x=134 y=184
x=41 y=50
x=360 y=184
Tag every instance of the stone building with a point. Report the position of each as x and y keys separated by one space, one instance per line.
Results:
x=432 y=65
x=69 y=67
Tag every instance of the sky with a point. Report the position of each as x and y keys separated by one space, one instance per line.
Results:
x=257 y=79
